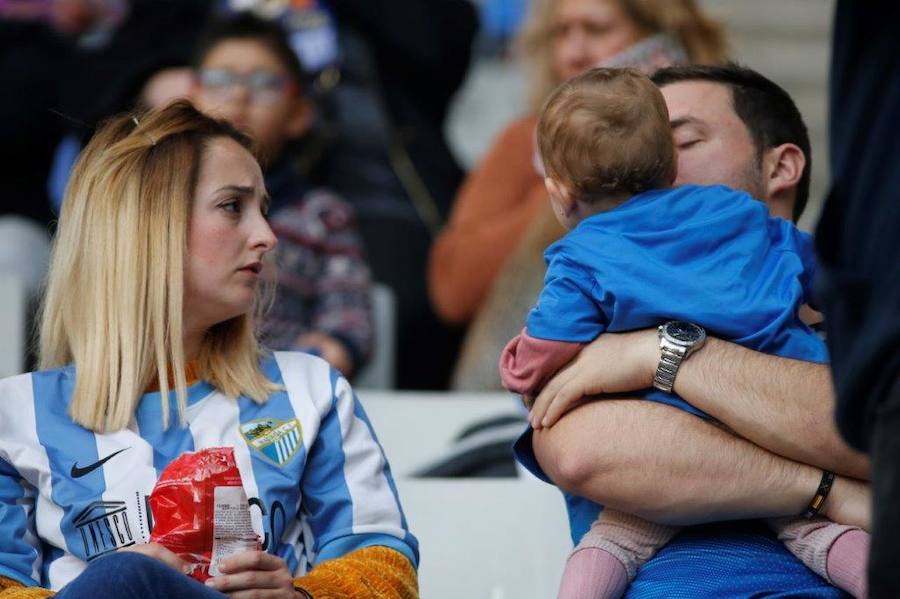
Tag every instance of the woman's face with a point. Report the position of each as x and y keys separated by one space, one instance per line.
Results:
x=227 y=237
x=587 y=32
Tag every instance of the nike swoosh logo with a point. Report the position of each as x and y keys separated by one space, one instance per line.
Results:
x=78 y=472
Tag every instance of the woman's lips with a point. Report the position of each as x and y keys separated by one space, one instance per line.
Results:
x=255 y=268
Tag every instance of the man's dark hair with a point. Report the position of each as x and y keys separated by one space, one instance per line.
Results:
x=247 y=26
x=764 y=107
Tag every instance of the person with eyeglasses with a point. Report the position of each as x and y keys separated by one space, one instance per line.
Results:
x=247 y=73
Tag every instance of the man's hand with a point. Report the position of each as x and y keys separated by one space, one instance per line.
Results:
x=255 y=574
x=160 y=553
x=613 y=363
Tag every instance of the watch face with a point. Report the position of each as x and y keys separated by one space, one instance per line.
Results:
x=684 y=332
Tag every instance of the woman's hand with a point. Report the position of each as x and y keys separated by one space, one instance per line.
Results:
x=255 y=574
x=160 y=553
x=613 y=363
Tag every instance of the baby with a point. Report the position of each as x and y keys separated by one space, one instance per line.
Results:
x=640 y=253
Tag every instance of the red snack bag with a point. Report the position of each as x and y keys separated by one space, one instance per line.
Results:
x=200 y=510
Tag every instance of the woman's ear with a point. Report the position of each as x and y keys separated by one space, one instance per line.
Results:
x=301 y=118
x=783 y=168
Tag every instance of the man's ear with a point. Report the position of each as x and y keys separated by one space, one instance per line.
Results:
x=300 y=119
x=563 y=199
x=782 y=170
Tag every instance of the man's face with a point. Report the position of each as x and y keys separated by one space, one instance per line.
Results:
x=713 y=144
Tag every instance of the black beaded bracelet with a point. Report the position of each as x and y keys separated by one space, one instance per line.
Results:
x=818 y=499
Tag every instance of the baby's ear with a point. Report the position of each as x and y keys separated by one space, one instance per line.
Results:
x=560 y=194
x=300 y=119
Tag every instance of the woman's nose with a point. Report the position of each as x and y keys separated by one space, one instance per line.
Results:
x=576 y=55
x=576 y=44
x=264 y=238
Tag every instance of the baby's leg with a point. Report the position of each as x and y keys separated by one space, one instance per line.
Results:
x=836 y=552
x=592 y=573
x=607 y=559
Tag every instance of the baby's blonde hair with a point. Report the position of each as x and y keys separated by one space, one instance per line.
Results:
x=115 y=290
x=606 y=134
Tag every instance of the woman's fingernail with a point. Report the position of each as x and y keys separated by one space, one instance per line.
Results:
x=210 y=582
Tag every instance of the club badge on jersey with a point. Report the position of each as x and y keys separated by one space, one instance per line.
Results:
x=277 y=440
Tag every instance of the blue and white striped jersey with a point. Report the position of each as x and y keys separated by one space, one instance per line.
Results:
x=317 y=479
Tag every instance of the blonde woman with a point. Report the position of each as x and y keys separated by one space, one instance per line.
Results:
x=505 y=193
x=147 y=350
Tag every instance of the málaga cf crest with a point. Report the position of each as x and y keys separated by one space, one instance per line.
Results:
x=278 y=440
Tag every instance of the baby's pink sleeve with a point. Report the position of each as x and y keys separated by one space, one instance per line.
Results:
x=527 y=363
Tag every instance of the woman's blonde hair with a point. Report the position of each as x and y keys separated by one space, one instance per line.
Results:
x=703 y=38
x=115 y=289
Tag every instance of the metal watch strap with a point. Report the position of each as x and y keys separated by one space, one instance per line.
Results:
x=670 y=358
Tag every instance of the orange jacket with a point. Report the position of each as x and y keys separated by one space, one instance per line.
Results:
x=497 y=202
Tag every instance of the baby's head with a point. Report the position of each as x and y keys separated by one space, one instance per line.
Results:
x=247 y=73
x=603 y=137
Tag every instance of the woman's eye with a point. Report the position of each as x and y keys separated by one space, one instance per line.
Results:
x=687 y=144
x=232 y=206
x=598 y=29
x=560 y=30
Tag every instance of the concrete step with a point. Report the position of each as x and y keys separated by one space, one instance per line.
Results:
x=794 y=18
x=791 y=62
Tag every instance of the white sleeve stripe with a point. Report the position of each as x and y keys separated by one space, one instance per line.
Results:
x=308 y=384
x=365 y=469
x=300 y=373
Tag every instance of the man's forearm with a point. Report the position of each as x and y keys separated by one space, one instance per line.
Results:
x=783 y=405
x=668 y=466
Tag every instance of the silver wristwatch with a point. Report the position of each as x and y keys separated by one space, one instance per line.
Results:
x=678 y=339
